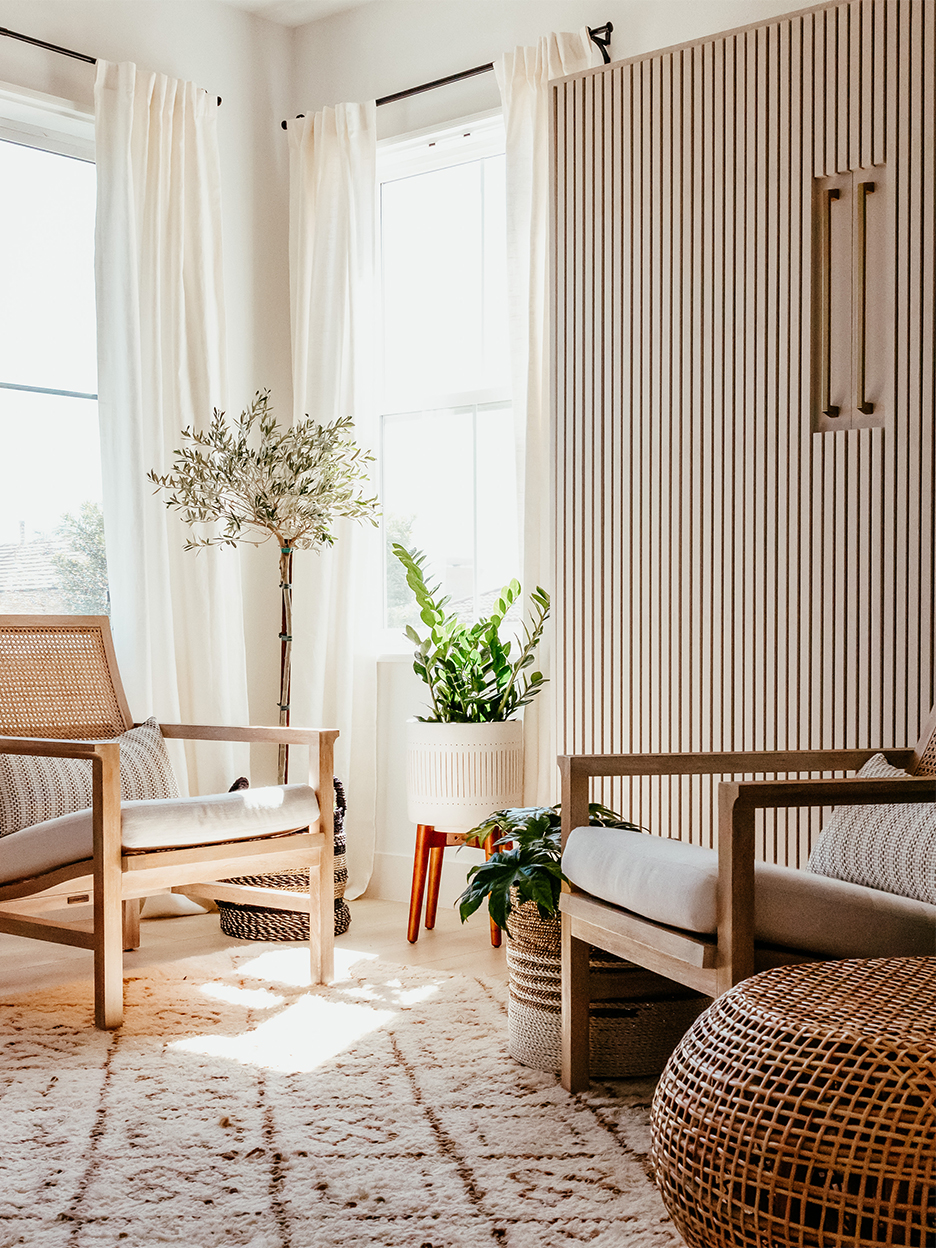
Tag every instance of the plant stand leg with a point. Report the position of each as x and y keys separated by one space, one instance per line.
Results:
x=488 y=851
x=434 y=881
x=424 y=835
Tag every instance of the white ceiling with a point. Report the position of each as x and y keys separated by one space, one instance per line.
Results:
x=295 y=12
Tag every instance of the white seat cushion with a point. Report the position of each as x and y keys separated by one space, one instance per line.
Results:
x=674 y=883
x=172 y=823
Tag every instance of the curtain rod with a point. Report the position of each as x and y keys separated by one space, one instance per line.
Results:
x=599 y=35
x=53 y=47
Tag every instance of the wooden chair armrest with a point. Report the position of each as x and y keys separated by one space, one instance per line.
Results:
x=228 y=732
x=54 y=747
x=737 y=802
x=742 y=762
x=850 y=790
x=577 y=769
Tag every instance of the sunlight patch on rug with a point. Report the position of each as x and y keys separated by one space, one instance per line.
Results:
x=237 y=1108
x=291 y=966
x=303 y=1036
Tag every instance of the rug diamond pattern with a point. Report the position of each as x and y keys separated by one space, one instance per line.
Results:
x=236 y=1107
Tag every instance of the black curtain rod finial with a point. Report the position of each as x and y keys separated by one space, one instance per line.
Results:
x=601 y=37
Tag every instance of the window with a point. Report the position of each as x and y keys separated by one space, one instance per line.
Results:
x=448 y=466
x=51 y=524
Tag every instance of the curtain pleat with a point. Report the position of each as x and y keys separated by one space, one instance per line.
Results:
x=176 y=615
x=337 y=591
x=523 y=77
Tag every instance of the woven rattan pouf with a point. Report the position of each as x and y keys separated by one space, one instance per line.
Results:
x=800 y=1109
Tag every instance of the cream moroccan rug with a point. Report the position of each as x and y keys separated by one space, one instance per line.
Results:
x=236 y=1107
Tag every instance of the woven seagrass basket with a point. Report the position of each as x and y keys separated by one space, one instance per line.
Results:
x=263 y=923
x=637 y=1017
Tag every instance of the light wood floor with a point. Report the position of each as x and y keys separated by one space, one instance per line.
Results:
x=377 y=928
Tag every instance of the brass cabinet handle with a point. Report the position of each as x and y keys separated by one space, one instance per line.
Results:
x=864 y=189
x=825 y=317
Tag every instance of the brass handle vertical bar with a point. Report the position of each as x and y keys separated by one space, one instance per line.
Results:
x=861 y=289
x=825 y=318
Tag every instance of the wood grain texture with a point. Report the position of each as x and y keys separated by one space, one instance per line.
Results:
x=727 y=579
x=58 y=679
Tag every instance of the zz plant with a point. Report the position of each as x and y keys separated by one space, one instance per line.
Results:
x=472 y=675
x=530 y=869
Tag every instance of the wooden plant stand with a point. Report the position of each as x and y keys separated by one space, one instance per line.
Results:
x=427 y=866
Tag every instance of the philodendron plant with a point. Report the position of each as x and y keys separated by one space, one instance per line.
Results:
x=472 y=675
x=530 y=870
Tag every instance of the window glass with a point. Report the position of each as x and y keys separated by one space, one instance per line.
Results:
x=51 y=523
x=448 y=464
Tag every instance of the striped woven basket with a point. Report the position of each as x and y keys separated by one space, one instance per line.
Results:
x=637 y=1017
x=263 y=923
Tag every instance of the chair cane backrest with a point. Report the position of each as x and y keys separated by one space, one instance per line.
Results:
x=924 y=754
x=59 y=678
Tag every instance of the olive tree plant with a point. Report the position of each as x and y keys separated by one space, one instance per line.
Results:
x=257 y=481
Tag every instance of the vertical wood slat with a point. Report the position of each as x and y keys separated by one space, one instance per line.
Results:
x=731 y=579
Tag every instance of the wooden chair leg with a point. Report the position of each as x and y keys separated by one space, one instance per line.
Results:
x=108 y=965
x=434 y=881
x=131 y=925
x=322 y=921
x=420 y=866
x=576 y=1000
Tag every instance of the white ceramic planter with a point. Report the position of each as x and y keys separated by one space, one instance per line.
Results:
x=458 y=774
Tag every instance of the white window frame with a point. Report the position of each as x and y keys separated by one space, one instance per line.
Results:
x=34 y=119
x=48 y=123
x=423 y=151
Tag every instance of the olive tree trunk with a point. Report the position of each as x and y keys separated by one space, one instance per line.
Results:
x=285 y=571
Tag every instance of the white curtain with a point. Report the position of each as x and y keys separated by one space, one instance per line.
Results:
x=176 y=615
x=523 y=77
x=337 y=591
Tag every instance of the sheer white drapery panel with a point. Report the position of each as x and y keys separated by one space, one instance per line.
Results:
x=523 y=77
x=333 y=248
x=177 y=615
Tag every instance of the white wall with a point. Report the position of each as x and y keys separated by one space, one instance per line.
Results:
x=243 y=59
x=265 y=73
x=378 y=49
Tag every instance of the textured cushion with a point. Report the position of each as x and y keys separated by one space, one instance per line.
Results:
x=674 y=883
x=892 y=847
x=33 y=789
x=170 y=824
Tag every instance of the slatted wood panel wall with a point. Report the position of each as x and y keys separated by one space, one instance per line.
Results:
x=728 y=578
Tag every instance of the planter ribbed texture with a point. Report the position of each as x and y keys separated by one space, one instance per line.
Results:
x=632 y=1033
x=459 y=774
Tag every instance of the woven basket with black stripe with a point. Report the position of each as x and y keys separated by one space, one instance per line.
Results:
x=262 y=923
x=637 y=1017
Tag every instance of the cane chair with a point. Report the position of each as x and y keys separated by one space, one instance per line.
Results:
x=61 y=698
x=861 y=921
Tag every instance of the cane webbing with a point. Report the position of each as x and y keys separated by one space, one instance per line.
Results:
x=55 y=681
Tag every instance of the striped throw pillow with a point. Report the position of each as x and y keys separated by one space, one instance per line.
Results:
x=33 y=789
